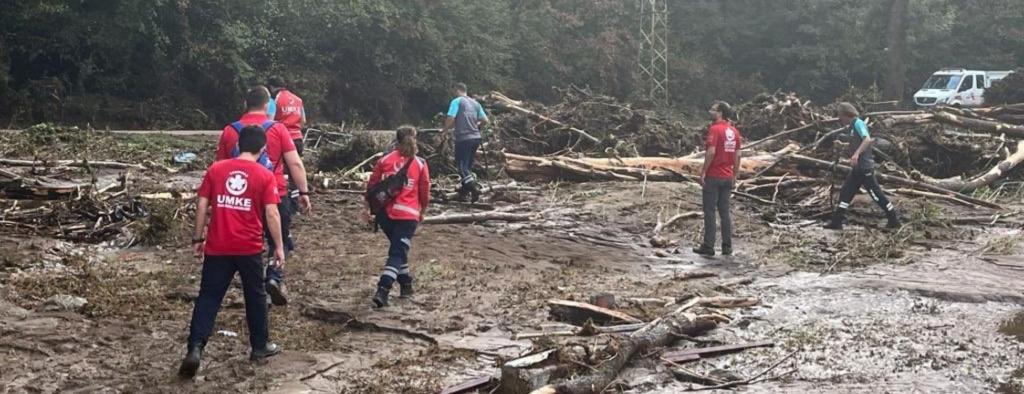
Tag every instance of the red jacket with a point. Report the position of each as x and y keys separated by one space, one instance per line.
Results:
x=726 y=140
x=289 y=112
x=415 y=197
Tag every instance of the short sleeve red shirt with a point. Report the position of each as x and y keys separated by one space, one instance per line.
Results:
x=278 y=143
x=238 y=191
x=726 y=139
x=289 y=112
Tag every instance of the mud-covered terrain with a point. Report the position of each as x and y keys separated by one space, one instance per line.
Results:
x=935 y=307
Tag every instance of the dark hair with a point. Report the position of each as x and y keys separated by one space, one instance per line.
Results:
x=848 y=109
x=275 y=81
x=405 y=140
x=459 y=86
x=257 y=97
x=252 y=139
x=725 y=109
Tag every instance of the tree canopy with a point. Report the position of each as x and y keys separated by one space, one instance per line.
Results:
x=185 y=63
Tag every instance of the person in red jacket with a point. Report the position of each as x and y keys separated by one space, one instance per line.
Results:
x=238 y=193
x=401 y=216
x=280 y=153
x=717 y=177
x=288 y=110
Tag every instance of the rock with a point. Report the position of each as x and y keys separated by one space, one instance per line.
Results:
x=659 y=242
x=10 y=310
x=63 y=303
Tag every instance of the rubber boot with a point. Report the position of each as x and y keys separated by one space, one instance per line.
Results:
x=381 y=298
x=190 y=365
x=268 y=351
x=838 y=217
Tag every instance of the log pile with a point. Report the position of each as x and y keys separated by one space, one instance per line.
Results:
x=943 y=154
x=563 y=369
x=71 y=211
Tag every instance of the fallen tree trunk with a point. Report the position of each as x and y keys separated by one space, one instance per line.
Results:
x=659 y=333
x=987 y=126
x=531 y=168
x=895 y=179
x=71 y=163
x=996 y=173
x=464 y=218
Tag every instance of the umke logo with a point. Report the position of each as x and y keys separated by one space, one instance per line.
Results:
x=236 y=185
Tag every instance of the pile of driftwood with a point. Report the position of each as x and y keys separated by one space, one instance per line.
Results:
x=617 y=341
x=946 y=154
x=74 y=211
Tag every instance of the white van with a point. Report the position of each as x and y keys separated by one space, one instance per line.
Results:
x=957 y=87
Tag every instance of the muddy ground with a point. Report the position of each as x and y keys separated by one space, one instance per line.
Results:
x=943 y=311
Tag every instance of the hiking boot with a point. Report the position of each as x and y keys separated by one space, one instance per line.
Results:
x=894 y=221
x=268 y=351
x=833 y=225
x=190 y=365
x=381 y=298
x=407 y=290
x=704 y=250
x=474 y=192
x=726 y=250
x=275 y=290
x=836 y=223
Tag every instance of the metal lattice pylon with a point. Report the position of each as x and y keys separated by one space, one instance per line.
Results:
x=653 y=59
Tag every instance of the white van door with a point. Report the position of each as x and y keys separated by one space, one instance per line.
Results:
x=977 y=96
x=965 y=92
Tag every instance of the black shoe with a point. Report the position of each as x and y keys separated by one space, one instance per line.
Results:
x=381 y=298
x=190 y=365
x=726 y=250
x=268 y=351
x=407 y=290
x=836 y=223
x=275 y=290
x=704 y=250
x=894 y=222
x=474 y=192
x=833 y=225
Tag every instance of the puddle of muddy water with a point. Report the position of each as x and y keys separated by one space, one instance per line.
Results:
x=1014 y=327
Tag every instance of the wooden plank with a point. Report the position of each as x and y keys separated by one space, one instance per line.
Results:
x=680 y=358
x=714 y=350
x=579 y=313
x=469 y=385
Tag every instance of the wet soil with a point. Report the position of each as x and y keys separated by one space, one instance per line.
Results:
x=940 y=318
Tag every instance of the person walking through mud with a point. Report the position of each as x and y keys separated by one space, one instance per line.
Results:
x=238 y=193
x=862 y=173
x=280 y=151
x=466 y=116
x=289 y=111
x=718 y=175
x=407 y=179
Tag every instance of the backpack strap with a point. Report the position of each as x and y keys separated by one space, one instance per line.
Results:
x=267 y=125
x=237 y=126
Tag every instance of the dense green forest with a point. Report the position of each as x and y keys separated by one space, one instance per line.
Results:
x=184 y=63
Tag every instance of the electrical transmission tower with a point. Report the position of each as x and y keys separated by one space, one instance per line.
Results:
x=653 y=59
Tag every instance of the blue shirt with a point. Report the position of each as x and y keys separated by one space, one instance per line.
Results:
x=272 y=109
x=467 y=113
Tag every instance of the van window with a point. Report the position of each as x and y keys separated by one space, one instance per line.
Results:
x=980 y=83
x=967 y=85
x=942 y=82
